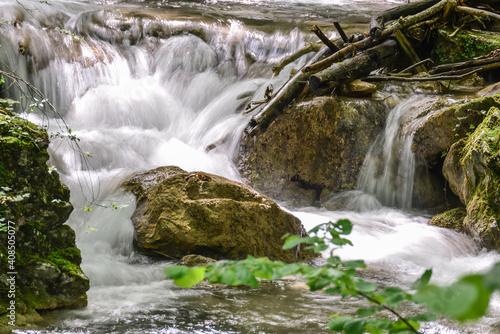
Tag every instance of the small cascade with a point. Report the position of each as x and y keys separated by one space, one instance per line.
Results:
x=388 y=171
x=153 y=86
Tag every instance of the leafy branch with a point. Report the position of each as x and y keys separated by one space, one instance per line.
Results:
x=464 y=300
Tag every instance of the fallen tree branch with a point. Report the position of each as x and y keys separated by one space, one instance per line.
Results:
x=324 y=39
x=311 y=47
x=377 y=22
x=477 y=12
x=379 y=56
x=341 y=32
x=430 y=78
x=408 y=69
x=337 y=55
x=462 y=65
x=281 y=99
x=407 y=21
x=409 y=51
x=398 y=25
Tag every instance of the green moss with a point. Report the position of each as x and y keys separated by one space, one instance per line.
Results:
x=464 y=45
x=452 y=219
x=43 y=244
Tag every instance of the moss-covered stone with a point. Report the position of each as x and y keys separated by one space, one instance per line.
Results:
x=472 y=168
x=313 y=149
x=464 y=45
x=34 y=205
x=452 y=219
x=180 y=213
x=444 y=127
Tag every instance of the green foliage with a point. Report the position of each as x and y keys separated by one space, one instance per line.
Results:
x=466 y=299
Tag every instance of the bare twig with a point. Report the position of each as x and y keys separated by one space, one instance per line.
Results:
x=477 y=12
x=324 y=39
x=311 y=47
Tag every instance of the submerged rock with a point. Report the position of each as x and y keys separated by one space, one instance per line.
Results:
x=180 y=213
x=34 y=205
x=472 y=168
x=317 y=146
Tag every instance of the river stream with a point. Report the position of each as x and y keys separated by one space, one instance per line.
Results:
x=153 y=83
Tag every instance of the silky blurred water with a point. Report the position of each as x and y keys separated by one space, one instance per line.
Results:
x=153 y=83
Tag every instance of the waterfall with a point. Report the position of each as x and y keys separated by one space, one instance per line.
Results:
x=156 y=83
x=388 y=170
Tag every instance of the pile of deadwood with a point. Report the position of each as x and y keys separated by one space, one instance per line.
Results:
x=344 y=60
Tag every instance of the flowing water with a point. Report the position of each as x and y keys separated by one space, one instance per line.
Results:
x=154 y=83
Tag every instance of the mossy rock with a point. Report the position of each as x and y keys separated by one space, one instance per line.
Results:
x=36 y=205
x=313 y=149
x=463 y=46
x=445 y=126
x=472 y=168
x=180 y=213
x=451 y=219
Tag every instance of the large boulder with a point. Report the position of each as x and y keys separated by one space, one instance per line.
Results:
x=180 y=213
x=34 y=205
x=472 y=167
x=312 y=150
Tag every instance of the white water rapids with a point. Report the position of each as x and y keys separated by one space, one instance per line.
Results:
x=136 y=102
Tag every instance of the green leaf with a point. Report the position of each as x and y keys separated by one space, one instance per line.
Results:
x=355 y=326
x=364 y=286
x=175 y=272
x=194 y=276
x=286 y=270
x=320 y=248
x=319 y=283
x=228 y=276
x=245 y=276
x=366 y=312
x=464 y=300
x=291 y=242
x=354 y=264
x=345 y=226
x=338 y=323
x=333 y=291
x=423 y=280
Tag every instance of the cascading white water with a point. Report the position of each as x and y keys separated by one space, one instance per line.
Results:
x=137 y=102
x=389 y=168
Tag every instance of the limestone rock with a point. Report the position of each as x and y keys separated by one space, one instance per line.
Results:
x=180 y=213
x=195 y=260
x=358 y=88
x=317 y=146
x=446 y=126
x=472 y=168
x=35 y=204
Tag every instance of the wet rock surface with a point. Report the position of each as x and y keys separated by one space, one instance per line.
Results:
x=180 y=213
x=315 y=147
x=34 y=205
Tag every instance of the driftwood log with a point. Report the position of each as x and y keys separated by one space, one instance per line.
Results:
x=348 y=59
x=361 y=65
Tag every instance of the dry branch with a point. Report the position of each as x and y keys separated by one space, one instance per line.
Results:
x=379 y=56
x=311 y=47
x=477 y=12
x=377 y=22
x=324 y=39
